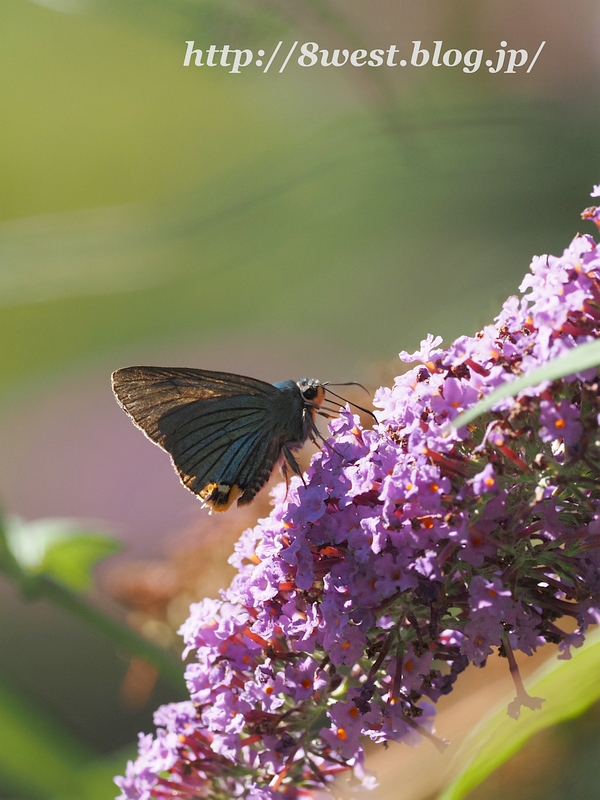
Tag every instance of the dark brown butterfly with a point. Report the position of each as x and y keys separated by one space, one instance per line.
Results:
x=224 y=433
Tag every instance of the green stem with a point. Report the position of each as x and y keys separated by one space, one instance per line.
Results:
x=121 y=636
x=42 y=586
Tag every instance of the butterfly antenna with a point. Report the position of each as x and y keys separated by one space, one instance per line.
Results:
x=348 y=383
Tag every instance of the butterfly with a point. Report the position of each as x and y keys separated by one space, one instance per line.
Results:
x=225 y=433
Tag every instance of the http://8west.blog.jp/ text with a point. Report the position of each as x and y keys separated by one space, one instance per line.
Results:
x=310 y=54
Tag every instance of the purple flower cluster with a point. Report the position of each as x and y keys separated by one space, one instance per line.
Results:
x=412 y=550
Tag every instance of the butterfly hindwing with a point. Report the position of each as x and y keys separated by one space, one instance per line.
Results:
x=220 y=457
x=223 y=432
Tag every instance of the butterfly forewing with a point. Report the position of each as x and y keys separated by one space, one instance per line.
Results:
x=151 y=394
x=219 y=429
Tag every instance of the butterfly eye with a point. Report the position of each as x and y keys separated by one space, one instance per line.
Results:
x=312 y=390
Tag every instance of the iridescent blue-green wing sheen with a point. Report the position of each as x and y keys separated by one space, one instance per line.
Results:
x=220 y=443
x=217 y=427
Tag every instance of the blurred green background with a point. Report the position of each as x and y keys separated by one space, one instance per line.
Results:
x=309 y=223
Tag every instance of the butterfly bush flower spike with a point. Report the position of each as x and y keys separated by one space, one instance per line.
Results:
x=410 y=552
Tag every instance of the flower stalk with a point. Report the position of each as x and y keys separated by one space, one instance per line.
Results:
x=410 y=551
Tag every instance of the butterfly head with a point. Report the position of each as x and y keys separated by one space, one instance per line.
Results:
x=312 y=390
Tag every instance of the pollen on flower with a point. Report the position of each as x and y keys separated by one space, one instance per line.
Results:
x=560 y=423
x=341 y=734
x=354 y=712
x=434 y=487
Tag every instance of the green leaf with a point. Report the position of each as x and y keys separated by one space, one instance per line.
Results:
x=97 y=777
x=71 y=561
x=38 y=757
x=578 y=359
x=569 y=688
x=41 y=760
x=45 y=560
x=59 y=548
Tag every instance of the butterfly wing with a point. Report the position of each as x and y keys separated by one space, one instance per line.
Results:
x=220 y=429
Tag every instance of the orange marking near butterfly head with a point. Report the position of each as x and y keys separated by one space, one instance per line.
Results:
x=317 y=400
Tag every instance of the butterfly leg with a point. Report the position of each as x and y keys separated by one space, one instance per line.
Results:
x=292 y=463
x=315 y=436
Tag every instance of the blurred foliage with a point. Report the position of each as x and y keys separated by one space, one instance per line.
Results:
x=39 y=758
x=58 y=548
x=145 y=205
x=568 y=688
x=555 y=763
x=47 y=559
x=187 y=202
x=52 y=559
